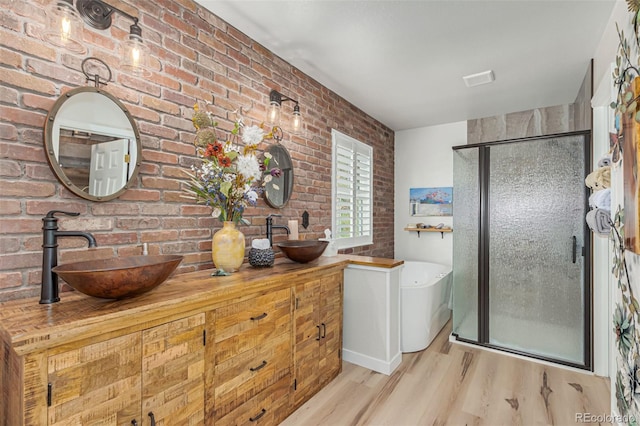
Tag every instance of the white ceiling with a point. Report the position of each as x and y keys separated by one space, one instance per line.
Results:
x=402 y=61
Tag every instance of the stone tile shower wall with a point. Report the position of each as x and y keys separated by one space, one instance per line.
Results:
x=196 y=57
x=537 y=122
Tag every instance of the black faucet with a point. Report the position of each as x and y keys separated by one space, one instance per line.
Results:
x=50 y=234
x=271 y=227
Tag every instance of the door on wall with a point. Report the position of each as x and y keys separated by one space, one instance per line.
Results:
x=521 y=247
x=108 y=171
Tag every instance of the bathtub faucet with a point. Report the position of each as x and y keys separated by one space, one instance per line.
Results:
x=50 y=234
x=271 y=227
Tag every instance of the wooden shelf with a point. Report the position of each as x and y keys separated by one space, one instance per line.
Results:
x=419 y=230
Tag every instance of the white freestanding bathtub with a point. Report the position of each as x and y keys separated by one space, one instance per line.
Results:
x=425 y=292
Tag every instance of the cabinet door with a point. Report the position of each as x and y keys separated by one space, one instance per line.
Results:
x=307 y=331
x=97 y=384
x=330 y=359
x=173 y=372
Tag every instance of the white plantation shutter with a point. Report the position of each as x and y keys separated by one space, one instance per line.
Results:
x=352 y=191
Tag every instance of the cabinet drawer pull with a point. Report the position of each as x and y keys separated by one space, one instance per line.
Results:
x=324 y=330
x=319 y=335
x=259 y=317
x=152 y=417
x=257 y=416
x=134 y=422
x=260 y=367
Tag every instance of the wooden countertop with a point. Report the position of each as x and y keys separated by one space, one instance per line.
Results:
x=28 y=326
x=377 y=262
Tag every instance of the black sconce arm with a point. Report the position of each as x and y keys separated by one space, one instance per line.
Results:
x=120 y=11
x=278 y=97
x=97 y=13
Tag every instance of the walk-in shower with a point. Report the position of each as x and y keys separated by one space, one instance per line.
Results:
x=521 y=247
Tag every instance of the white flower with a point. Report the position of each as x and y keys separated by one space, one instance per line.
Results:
x=252 y=135
x=252 y=196
x=216 y=212
x=248 y=166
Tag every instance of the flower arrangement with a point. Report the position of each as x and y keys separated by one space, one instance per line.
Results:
x=229 y=177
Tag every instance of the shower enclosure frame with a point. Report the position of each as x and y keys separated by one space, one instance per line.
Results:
x=483 y=307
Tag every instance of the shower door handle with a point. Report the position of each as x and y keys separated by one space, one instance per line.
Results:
x=574 y=248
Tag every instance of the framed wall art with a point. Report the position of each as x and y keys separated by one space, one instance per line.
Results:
x=431 y=201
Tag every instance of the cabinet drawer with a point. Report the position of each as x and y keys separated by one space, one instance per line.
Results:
x=248 y=324
x=242 y=377
x=269 y=407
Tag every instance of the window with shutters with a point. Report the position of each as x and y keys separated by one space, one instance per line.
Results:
x=352 y=191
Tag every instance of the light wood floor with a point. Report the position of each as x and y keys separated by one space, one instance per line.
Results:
x=451 y=384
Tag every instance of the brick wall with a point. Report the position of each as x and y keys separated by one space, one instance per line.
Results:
x=196 y=57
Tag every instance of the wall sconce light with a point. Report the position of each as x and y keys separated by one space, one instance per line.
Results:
x=274 y=111
x=63 y=18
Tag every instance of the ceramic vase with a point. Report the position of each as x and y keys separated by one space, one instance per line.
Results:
x=227 y=248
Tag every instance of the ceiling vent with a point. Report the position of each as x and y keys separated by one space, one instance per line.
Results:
x=479 y=78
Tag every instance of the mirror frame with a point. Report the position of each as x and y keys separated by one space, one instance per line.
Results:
x=55 y=165
x=288 y=158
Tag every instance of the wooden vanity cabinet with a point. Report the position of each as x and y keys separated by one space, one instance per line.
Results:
x=245 y=349
x=158 y=372
x=317 y=335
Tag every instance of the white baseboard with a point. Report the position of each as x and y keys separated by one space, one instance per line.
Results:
x=384 y=367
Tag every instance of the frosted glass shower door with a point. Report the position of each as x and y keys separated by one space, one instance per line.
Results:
x=466 y=199
x=536 y=237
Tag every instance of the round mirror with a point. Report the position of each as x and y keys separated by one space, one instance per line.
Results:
x=92 y=144
x=278 y=191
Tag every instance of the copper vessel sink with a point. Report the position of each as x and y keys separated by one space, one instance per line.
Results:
x=118 y=277
x=302 y=251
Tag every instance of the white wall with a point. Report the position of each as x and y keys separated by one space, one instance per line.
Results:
x=608 y=46
x=423 y=158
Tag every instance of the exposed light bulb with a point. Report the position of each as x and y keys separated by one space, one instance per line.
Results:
x=66 y=28
x=135 y=56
